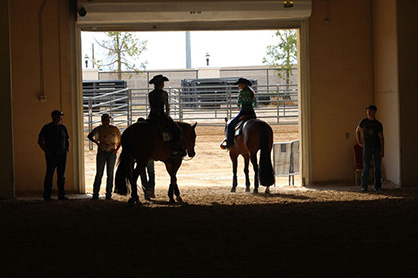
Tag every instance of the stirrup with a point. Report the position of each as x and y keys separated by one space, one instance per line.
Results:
x=180 y=153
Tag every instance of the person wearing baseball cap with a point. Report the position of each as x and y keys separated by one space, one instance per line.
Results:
x=246 y=104
x=54 y=141
x=107 y=138
x=373 y=145
x=160 y=110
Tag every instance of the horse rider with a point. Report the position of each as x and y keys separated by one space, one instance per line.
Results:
x=246 y=104
x=160 y=110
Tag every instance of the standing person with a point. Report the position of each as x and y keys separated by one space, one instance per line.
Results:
x=107 y=138
x=160 y=110
x=246 y=104
x=373 y=145
x=150 y=182
x=54 y=141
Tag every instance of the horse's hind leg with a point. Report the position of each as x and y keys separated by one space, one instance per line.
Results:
x=234 y=159
x=247 y=172
x=255 y=167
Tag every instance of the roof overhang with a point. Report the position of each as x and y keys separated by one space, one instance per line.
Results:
x=107 y=15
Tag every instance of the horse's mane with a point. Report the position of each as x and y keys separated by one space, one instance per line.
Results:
x=180 y=123
x=183 y=124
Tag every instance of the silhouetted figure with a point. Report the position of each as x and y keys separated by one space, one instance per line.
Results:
x=54 y=141
x=246 y=103
x=160 y=110
x=107 y=139
x=373 y=145
x=150 y=171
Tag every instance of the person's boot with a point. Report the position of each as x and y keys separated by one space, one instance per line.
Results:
x=178 y=149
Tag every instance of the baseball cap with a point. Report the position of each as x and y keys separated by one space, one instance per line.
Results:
x=372 y=107
x=56 y=113
x=105 y=116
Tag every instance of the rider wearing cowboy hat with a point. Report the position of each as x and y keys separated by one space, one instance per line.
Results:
x=160 y=109
x=246 y=104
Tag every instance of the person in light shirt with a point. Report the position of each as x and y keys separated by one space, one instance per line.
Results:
x=107 y=138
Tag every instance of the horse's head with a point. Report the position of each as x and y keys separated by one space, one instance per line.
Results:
x=189 y=136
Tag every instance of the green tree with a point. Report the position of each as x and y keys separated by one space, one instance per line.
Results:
x=283 y=56
x=122 y=48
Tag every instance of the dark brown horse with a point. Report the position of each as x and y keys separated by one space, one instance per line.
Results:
x=141 y=142
x=255 y=135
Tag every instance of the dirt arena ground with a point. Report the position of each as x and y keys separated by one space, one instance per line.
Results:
x=293 y=232
x=211 y=165
x=327 y=231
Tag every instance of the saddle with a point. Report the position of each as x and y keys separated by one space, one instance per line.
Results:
x=164 y=132
x=242 y=120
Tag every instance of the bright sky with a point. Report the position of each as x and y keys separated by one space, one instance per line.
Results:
x=167 y=50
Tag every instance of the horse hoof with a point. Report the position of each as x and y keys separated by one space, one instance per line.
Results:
x=233 y=189
x=247 y=189
x=179 y=199
x=171 y=201
x=147 y=197
x=151 y=193
x=267 y=191
x=255 y=191
x=132 y=201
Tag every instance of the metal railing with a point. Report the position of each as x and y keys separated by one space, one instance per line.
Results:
x=277 y=104
x=116 y=104
x=209 y=105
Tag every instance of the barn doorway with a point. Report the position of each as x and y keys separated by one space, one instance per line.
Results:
x=212 y=130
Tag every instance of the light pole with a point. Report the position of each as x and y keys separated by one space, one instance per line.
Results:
x=207 y=58
x=86 y=60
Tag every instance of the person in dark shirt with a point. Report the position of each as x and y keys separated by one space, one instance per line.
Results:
x=373 y=145
x=160 y=110
x=54 y=141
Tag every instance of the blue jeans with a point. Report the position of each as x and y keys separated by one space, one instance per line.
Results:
x=368 y=152
x=102 y=159
x=55 y=161
x=150 y=183
x=230 y=129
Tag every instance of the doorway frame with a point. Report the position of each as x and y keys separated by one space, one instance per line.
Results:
x=302 y=28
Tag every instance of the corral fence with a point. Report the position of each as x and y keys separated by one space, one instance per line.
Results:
x=276 y=104
x=208 y=105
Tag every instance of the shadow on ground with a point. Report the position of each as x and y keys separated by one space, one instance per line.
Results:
x=300 y=234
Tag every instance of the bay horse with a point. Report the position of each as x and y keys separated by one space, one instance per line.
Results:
x=141 y=142
x=255 y=135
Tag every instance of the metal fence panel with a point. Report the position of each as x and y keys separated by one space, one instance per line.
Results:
x=286 y=159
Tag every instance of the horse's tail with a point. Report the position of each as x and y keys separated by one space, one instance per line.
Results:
x=122 y=173
x=266 y=168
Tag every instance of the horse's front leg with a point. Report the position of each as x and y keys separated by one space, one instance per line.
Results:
x=234 y=158
x=255 y=167
x=247 y=172
x=172 y=168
